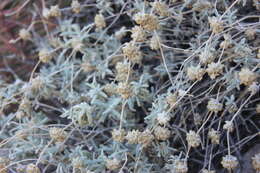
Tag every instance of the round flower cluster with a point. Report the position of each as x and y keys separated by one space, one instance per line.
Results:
x=155 y=42
x=208 y=171
x=147 y=21
x=87 y=67
x=118 y=135
x=161 y=8
x=227 y=43
x=229 y=162
x=138 y=34
x=214 y=136
x=229 y=126
x=193 y=139
x=207 y=57
x=44 y=55
x=3 y=164
x=214 y=105
x=75 y=6
x=180 y=165
x=214 y=69
x=246 y=76
x=57 y=134
x=145 y=138
x=162 y=133
x=113 y=164
x=77 y=163
x=216 y=25
x=110 y=89
x=100 y=21
x=171 y=99
x=163 y=118
x=24 y=34
x=258 y=108
x=54 y=11
x=122 y=70
x=125 y=90
x=32 y=168
x=132 y=136
x=256 y=162
x=132 y=53
x=195 y=73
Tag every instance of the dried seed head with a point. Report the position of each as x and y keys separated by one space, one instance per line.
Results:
x=229 y=162
x=253 y=88
x=32 y=168
x=246 y=76
x=122 y=70
x=207 y=56
x=229 y=126
x=113 y=164
x=100 y=21
x=75 y=6
x=256 y=162
x=214 y=136
x=214 y=105
x=77 y=163
x=216 y=25
x=258 y=108
x=145 y=138
x=57 y=134
x=118 y=135
x=110 y=89
x=138 y=34
x=24 y=34
x=55 y=11
x=125 y=90
x=201 y=5
x=155 y=42
x=195 y=73
x=162 y=133
x=45 y=56
x=132 y=53
x=250 y=33
x=161 y=8
x=87 y=67
x=120 y=33
x=147 y=21
x=132 y=136
x=215 y=69
x=163 y=118
x=193 y=139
